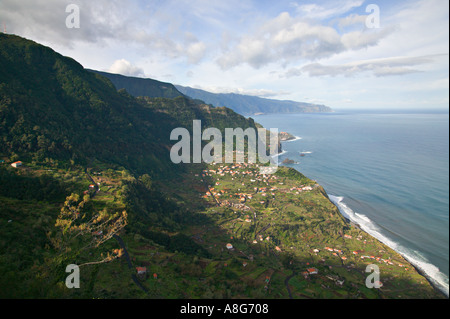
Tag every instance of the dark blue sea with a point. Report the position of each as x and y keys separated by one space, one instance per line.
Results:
x=386 y=171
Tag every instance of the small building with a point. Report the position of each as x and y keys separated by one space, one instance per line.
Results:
x=17 y=164
x=277 y=248
x=229 y=246
x=313 y=271
x=141 y=272
x=340 y=282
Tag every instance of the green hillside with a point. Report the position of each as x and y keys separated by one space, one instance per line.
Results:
x=142 y=87
x=97 y=188
x=52 y=108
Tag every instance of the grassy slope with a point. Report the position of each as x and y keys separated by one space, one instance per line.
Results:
x=299 y=223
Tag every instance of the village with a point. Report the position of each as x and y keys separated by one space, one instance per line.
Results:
x=252 y=211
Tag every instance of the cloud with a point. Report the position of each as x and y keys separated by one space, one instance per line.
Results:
x=356 y=40
x=195 y=52
x=289 y=39
x=378 y=67
x=251 y=92
x=126 y=68
x=45 y=20
x=104 y=23
x=326 y=10
x=351 y=20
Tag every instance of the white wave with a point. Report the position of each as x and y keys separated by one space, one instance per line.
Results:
x=432 y=272
x=363 y=217
x=305 y=152
x=293 y=140
x=282 y=153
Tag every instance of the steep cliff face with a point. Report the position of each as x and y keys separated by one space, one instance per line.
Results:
x=142 y=87
x=251 y=105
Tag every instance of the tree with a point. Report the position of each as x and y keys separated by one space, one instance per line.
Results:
x=146 y=180
x=79 y=229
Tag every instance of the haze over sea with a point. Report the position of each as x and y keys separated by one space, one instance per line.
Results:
x=386 y=171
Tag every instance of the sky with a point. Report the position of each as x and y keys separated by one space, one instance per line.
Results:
x=347 y=54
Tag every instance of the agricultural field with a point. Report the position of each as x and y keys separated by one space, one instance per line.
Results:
x=229 y=232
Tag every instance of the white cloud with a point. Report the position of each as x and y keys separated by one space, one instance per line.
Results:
x=287 y=39
x=124 y=67
x=356 y=40
x=327 y=9
x=379 y=67
x=195 y=52
x=351 y=20
x=104 y=23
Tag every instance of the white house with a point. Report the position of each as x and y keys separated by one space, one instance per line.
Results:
x=16 y=164
x=313 y=271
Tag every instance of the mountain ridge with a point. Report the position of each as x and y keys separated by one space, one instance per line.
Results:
x=243 y=104
x=252 y=105
x=141 y=86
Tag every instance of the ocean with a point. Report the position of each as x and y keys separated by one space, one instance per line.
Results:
x=386 y=171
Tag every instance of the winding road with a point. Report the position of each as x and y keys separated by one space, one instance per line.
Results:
x=286 y=282
x=130 y=265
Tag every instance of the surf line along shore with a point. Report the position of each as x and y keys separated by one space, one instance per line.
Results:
x=436 y=284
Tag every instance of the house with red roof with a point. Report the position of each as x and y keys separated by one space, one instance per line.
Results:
x=17 y=164
x=312 y=271
x=141 y=272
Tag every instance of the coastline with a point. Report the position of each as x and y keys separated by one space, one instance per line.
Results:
x=418 y=269
x=433 y=282
x=438 y=288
